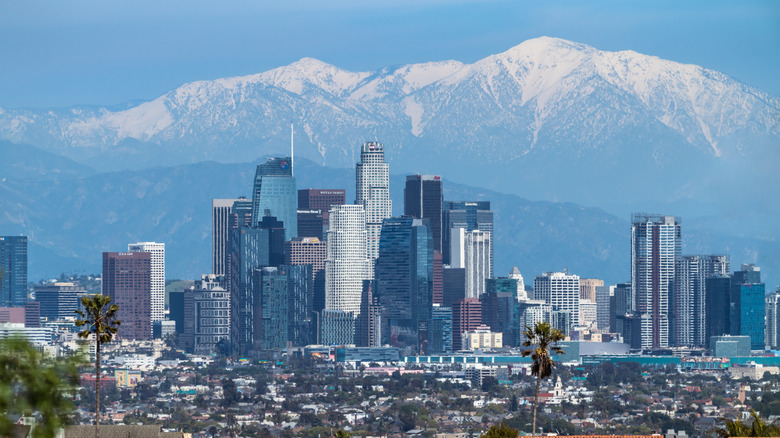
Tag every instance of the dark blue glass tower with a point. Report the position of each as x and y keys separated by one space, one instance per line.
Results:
x=440 y=330
x=284 y=310
x=13 y=271
x=747 y=305
x=275 y=194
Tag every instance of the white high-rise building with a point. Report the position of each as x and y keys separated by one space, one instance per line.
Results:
x=471 y=250
x=346 y=264
x=588 y=313
x=560 y=290
x=220 y=220
x=372 y=192
x=522 y=295
x=772 y=318
x=158 y=275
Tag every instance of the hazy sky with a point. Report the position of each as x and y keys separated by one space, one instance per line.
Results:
x=60 y=53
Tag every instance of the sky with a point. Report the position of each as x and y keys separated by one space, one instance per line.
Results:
x=58 y=54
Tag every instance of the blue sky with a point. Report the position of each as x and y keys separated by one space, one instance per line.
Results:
x=56 y=53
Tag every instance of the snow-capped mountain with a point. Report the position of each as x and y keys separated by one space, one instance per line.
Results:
x=540 y=117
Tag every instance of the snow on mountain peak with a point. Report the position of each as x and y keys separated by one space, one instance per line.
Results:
x=309 y=71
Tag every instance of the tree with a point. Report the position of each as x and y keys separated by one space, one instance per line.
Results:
x=99 y=319
x=542 y=339
x=32 y=384
x=500 y=431
x=733 y=428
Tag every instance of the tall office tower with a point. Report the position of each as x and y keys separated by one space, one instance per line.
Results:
x=346 y=263
x=337 y=328
x=560 y=290
x=516 y=275
x=368 y=329
x=240 y=215
x=284 y=312
x=423 y=199
x=588 y=288
x=249 y=249
x=32 y=314
x=310 y=223
x=438 y=278
x=404 y=279
x=468 y=215
x=127 y=279
x=717 y=307
x=501 y=310
x=772 y=317
x=454 y=280
x=689 y=306
x=321 y=199
x=310 y=251
x=440 y=330
x=604 y=295
x=655 y=251
x=372 y=191
x=620 y=305
x=531 y=312
x=466 y=317
x=588 y=314
x=176 y=309
x=13 y=266
x=747 y=305
x=206 y=315
x=472 y=250
x=157 y=250
x=221 y=209
x=275 y=194
x=59 y=300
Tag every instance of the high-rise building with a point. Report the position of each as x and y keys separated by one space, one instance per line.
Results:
x=466 y=317
x=588 y=314
x=440 y=330
x=176 y=309
x=337 y=327
x=13 y=271
x=689 y=309
x=423 y=199
x=562 y=291
x=772 y=317
x=275 y=194
x=127 y=279
x=472 y=251
x=747 y=305
x=206 y=315
x=469 y=215
x=157 y=250
x=221 y=209
x=604 y=297
x=655 y=251
x=717 y=308
x=588 y=288
x=533 y=311
x=311 y=223
x=372 y=192
x=310 y=251
x=438 y=278
x=516 y=275
x=285 y=307
x=322 y=200
x=368 y=331
x=454 y=280
x=59 y=300
x=346 y=264
x=404 y=278
x=501 y=310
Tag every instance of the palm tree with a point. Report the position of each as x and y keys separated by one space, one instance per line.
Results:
x=542 y=339
x=738 y=428
x=99 y=319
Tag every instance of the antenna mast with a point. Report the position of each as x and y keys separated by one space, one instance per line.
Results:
x=292 y=149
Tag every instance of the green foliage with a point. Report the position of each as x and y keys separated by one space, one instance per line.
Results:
x=31 y=384
x=500 y=431
x=738 y=428
x=541 y=339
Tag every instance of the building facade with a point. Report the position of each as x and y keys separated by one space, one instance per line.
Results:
x=772 y=317
x=13 y=267
x=423 y=199
x=655 y=251
x=127 y=279
x=747 y=305
x=560 y=290
x=466 y=316
x=221 y=210
x=347 y=263
x=372 y=192
x=469 y=215
x=472 y=251
x=310 y=251
x=689 y=310
x=275 y=194
x=206 y=315
x=284 y=313
x=157 y=250
x=59 y=300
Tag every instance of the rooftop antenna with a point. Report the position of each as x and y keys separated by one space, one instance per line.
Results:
x=292 y=149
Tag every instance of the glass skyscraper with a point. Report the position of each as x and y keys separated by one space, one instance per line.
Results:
x=275 y=194
x=747 y=305
x=469 y=215
x=423 y=200
x=285 y=306
x=690 y=296
x=13 y=271
x=655 y=251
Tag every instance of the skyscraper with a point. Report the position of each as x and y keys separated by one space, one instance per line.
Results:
x=772 y=317
x=157 y=250
x=221 y=209
x=689 y=310
x=472 y=251
x=13 y=271
x=747 y=305
x=127 y=279
x=604 y=296
x=347 y=264
x=322 y=200
x=368 y=329
x=372 y=192
x=717 y=308
x=466 y=316
x=404 y=278
x=285 y=307
x=423 y=199
x=310 y=251
x=275 y=194
x=501 y=309
x=655 y=251
x=206 y=315
x=469 y=215
x=59 y=300
x=440 y=330
x=562 y=291
x=588 y=288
